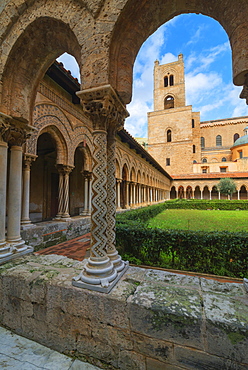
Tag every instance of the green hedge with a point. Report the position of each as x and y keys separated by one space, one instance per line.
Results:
x=220 y=253
x=227 y=205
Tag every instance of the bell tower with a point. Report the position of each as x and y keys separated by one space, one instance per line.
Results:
x=173 y=129
x=169 y=85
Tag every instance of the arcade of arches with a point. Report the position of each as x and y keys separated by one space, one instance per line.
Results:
x=65 y=146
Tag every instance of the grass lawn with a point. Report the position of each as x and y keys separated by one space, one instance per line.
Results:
x=187 y=219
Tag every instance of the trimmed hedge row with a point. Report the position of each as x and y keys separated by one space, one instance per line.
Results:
x=221 y=253
x=227 y=205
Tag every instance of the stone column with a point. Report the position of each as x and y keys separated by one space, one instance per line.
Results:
x=201 y=193
x=218 y=195
x=118 y=203
x=63 y=201
x=5 y=250
x=27 y=161
x=107 y=114
x=111 y=199
x=16 y=136
x=127 y=205
x=90 y=193
x=65 y=214
x=86 y=193
x=238 y=194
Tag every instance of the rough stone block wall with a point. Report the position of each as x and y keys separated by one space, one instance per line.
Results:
x=46 y=234
x=151 y=320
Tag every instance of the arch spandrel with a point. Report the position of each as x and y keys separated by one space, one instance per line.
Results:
x=36 y=48
x=140 y=19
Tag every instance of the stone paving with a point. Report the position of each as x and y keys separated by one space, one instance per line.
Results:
x=17 y=352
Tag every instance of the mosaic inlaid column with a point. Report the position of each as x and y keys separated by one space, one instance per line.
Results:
x=63 y=201
x=65 y=214
x=27 y=161
x=61 y=192
x=104 y=108
x=111 y=201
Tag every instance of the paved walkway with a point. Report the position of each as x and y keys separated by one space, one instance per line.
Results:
x=18 y=353
x=76 y=249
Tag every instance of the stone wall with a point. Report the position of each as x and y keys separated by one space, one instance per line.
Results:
x=46 y=234
x=151 y=320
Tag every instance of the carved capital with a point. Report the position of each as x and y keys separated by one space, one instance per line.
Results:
x=4 y=124
x=244 y=92
x=14 y=131
x=103 y=106
x=28 y=159
x=64 y=169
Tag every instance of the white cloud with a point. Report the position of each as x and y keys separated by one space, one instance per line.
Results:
x=70 y=63
x=199 y=86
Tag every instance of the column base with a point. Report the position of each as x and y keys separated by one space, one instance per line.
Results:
x=77 y=282
x=25 y=225
x=14 y=252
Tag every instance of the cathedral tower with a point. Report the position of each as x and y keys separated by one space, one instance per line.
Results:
x=173 y=129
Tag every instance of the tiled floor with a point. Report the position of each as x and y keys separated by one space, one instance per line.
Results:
x=76 y=249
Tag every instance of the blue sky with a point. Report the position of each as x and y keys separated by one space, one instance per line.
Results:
x=208 y=70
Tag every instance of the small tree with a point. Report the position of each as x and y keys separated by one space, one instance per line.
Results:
x=226 y=186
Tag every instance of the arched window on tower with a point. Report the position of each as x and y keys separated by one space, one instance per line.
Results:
x=168 y=136
x=193 y=148
x=169 y=102
x=166 y=81
x=202 y=142
x=223 y=159
x=218 y=140
x=235 y=137
x=171 y=80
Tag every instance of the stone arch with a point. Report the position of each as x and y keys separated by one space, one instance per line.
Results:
x=62 y=150
x=133 y=175
x=40 y=43
x=173 y=193
x=47 y=116
x=139 y=20
x=189 y=192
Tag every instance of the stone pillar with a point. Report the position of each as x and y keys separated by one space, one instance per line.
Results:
x=201 y=193
x=111 y=199
x=61 y=192
x=127 y=205
x=238 y=194
x=118 y=203
x=218 y=195
x=134 y=194
x=90 y=193
x=16 y=136
x=27 y=161
x=86 y=194
x=107 y=114
x=5 y=250
x=63 y=204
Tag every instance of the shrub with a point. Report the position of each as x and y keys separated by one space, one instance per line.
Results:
x=221 y=253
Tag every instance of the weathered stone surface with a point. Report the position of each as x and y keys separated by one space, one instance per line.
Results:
x=150 y=319
x=197 y=360
x=169 y=313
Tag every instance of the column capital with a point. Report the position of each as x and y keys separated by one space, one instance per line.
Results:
x=103 y=106
x=28 y=158
x=64 y=168
x=15 y=131
x=87 y=174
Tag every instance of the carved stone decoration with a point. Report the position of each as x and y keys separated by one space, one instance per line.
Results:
x=63 y=200
x=111 y=203
x=244 y=92
x=106 y=112
x=103 y=106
